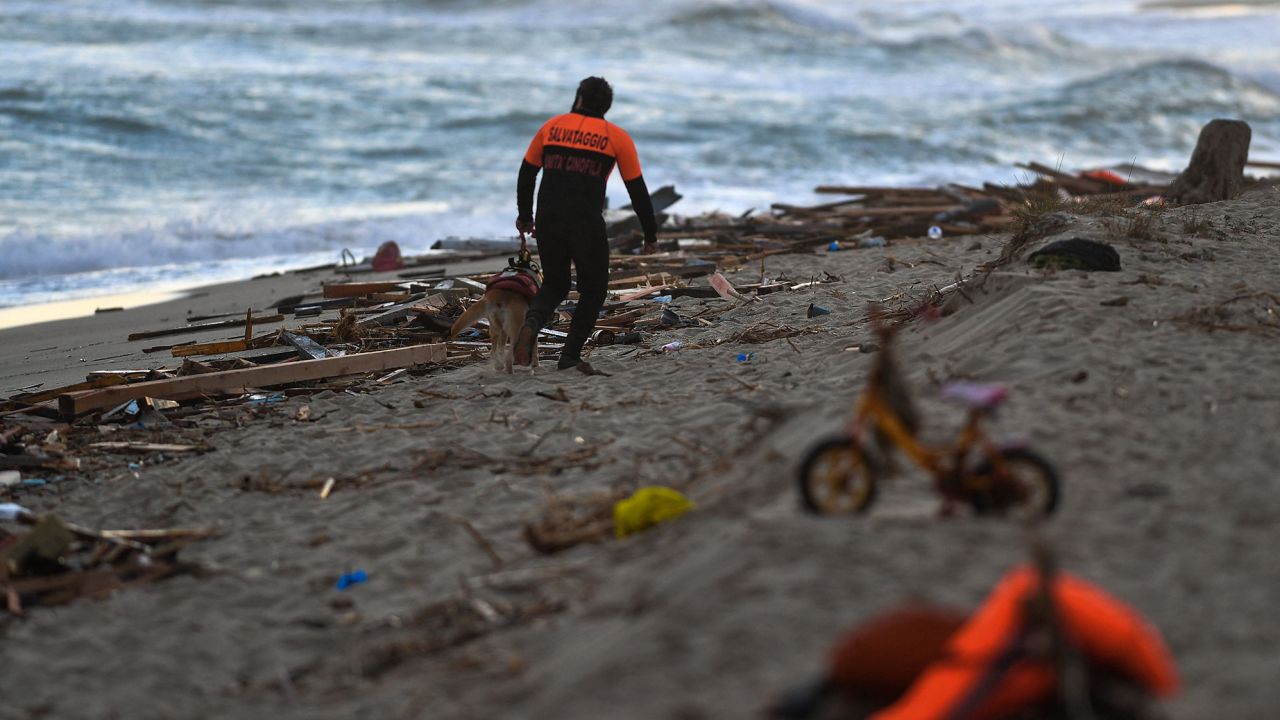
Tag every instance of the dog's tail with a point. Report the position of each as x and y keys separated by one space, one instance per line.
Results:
x=468 y=318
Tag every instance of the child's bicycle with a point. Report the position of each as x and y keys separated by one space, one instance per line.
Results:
x=840 y=474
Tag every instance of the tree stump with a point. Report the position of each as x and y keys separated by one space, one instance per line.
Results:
x=1216 y=171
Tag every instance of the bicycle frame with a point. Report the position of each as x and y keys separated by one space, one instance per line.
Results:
x=945 y=463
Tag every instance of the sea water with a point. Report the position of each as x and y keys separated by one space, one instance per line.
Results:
x=153 y=142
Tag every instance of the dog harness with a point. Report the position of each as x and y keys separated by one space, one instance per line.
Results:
x=524 y=281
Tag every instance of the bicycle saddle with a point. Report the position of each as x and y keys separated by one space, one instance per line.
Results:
x=976 y=396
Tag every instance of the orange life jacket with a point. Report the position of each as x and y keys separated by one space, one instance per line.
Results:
x=986 y=673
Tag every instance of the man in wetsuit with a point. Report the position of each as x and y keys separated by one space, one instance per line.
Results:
x=576 y=153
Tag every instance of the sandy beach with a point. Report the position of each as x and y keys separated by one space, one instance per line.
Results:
x=1162 y=421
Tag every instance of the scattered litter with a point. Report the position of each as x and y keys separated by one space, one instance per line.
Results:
x=816 y=310
x=261 y=399
x=648 y=507
x=348 y=579
x=57 y=562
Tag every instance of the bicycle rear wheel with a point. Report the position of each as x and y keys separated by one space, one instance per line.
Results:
x=837 y=478
x=1021 y=484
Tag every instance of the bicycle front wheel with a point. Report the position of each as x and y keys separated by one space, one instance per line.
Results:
x=837 y=478
x=1020 y=484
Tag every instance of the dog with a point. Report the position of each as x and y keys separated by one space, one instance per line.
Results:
x=505 y=303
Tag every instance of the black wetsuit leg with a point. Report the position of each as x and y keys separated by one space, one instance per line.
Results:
x=591 y=259
x=585 y=245
x=555 y=256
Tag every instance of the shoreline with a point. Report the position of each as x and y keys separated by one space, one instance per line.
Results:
x=37 y=313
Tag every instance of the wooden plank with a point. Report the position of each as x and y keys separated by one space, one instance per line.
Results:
x=239 y=381
x=811 y=209
x=1264 y=164
x=225 y=346
x=213 y=348
x=390 y=315
x=93 y=384
x=347 y=290
x=142 y=447
x=470 y=284
x=123 y=374
x=866 y=190
x=902 y=210
x=643 y=293
x=305 y=346
x=19 y=462
x=390 y=297
x=203 y=326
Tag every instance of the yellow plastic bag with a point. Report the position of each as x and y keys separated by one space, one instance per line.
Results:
x=647 y=507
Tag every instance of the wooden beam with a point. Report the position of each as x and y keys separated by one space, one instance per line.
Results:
x=904 y=210
x=865 y=190
x=93 y=384
x=1264 y=164
x=225 y=346
x=346 y=290
x=239 y=381
x=142 y=448
x=202 y=327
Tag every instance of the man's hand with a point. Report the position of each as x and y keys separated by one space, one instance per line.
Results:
x=524 y=226
x=649 y=248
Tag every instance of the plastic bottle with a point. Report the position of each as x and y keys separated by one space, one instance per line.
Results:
x=935 y=233
x=834 y=246
x=672 y=346
x=745 y=358
x=870 y=242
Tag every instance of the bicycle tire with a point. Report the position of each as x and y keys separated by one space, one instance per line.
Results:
x=825 y=478
x=1032 y=492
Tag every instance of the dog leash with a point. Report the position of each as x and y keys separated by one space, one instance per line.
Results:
x=524 y=255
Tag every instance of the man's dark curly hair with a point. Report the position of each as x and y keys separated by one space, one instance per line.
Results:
x=596 y=94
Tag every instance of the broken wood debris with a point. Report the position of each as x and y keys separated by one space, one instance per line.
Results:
x=56 y=562
x=243 y=380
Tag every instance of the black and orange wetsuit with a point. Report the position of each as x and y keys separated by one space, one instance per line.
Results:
x=576 y=153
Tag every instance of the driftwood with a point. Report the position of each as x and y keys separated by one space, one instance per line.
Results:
x=1216 y=171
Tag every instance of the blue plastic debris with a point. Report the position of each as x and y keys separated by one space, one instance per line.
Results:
x=261 y=399
x=355 y=577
